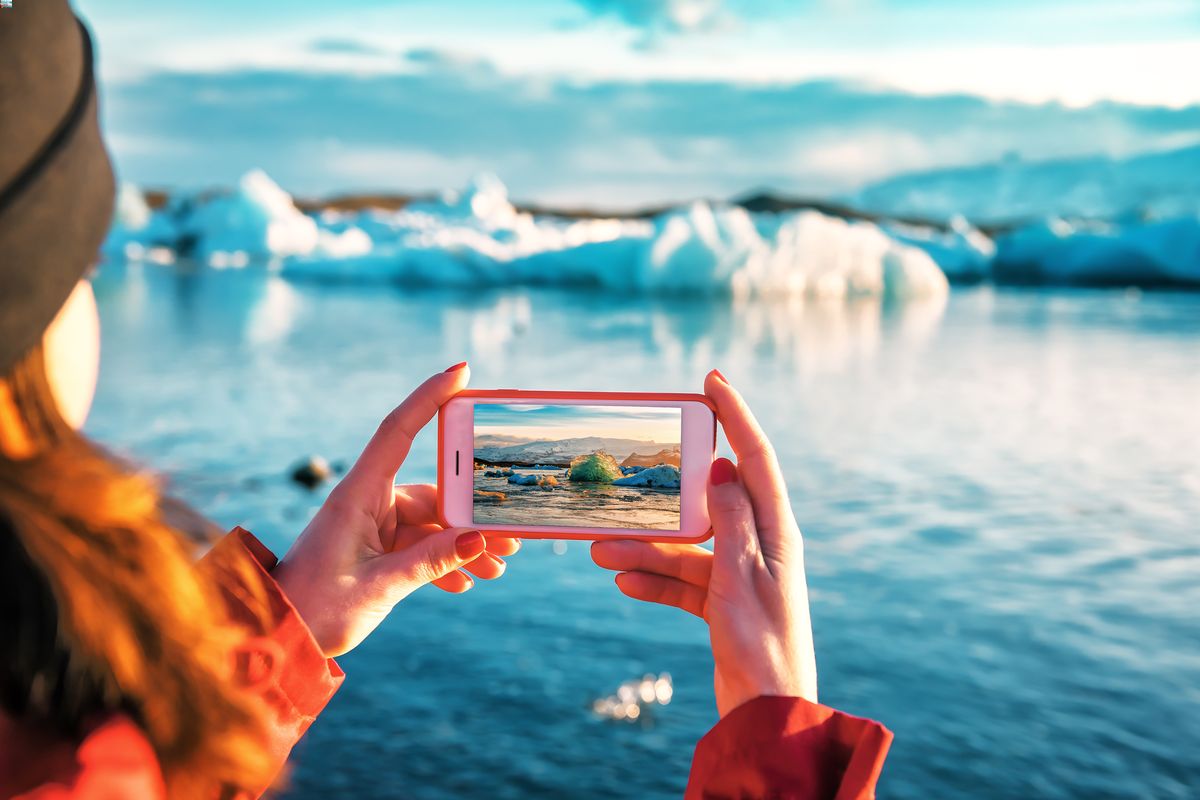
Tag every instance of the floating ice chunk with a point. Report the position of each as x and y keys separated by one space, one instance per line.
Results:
x=1138 y=254
x=699 y=248
x=258 y=218
x=132 y=212
x=664 y=476
x=343 y=244
x=533 y=480
x=1173 y=245
x=478 y=238
x=137 y=230
x=813 y=254
x=598 y=467
x=963 y=253
x=487 y=199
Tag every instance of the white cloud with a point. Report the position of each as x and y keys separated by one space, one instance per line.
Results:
x=610 y=143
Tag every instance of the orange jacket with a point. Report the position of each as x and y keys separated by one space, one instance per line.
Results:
x=778 y=747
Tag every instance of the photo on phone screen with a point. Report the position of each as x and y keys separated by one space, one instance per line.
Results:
x=577 y=465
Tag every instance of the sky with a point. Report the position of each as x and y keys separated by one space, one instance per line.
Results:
x=550 y=422
x=628 y=102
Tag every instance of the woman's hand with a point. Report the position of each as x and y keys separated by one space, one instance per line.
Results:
x=751 y=589
x=372 y=544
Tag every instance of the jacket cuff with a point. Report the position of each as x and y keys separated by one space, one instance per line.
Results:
x=280 y=659
x=788 y=747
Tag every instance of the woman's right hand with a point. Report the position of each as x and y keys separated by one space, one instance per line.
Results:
x=751 y=588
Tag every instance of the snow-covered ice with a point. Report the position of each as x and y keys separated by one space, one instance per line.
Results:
x=663 y=476
x=963 y=253
x=477 y=238
x=1061 y=253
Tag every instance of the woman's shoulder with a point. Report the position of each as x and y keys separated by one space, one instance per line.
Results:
x=113 y=760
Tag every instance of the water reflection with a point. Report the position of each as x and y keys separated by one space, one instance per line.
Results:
x=255 y=308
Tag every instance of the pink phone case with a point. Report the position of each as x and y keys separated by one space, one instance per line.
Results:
x=523 y=393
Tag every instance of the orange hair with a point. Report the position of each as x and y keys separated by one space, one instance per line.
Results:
x=114 y=616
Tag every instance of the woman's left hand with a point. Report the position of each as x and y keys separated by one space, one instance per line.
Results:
x=372 y=543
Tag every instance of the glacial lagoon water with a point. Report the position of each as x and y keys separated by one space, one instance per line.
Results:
x=1000 y=497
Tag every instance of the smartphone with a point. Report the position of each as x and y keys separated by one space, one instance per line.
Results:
x=576 y=465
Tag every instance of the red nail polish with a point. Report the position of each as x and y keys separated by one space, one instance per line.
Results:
x=469 y=545
x=456 y=367
x=717 y=374
x=722 y=471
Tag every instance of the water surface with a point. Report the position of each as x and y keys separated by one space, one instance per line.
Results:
x=999 y=496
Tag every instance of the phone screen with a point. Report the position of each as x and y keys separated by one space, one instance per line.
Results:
x=594 y=466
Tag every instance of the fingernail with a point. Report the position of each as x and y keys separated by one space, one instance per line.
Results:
x=722 y=471
x=456 y=367
x=469 y=545
x=716 y=373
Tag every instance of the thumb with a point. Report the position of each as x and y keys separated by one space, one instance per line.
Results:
x=433 y=557
x=735 y=536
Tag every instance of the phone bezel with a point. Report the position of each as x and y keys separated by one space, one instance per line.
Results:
x=698 y=448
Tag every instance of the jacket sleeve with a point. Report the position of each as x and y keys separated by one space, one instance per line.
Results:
x=787 y=747
x=279 y=659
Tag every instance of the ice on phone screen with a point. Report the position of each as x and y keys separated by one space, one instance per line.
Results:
x=577 y=466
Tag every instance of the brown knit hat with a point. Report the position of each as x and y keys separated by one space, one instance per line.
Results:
x=56 y=182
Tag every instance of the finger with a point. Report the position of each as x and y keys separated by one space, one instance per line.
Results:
x=756 y=457
x=388 y=448
x=688 y=562
x=735 y=538
x=502 y=545
x=757 y=464
x=455 y=582
x=667 y=591
x=409 y=535
x=416 y=503
x=487 y=567
x=430 y=558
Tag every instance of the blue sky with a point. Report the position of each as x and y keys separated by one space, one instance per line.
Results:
x=621 y=102
x=552 y=422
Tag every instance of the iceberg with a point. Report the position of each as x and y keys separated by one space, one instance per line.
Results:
x=257 y=218
x=963 y=253
x=1147 y=254
x=477 y=238
x=138 y=233
x=480 y=239
x=598 y=467
x=663 y=476
x=533 y=480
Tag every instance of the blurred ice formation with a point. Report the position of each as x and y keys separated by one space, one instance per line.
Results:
x=477 y=238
